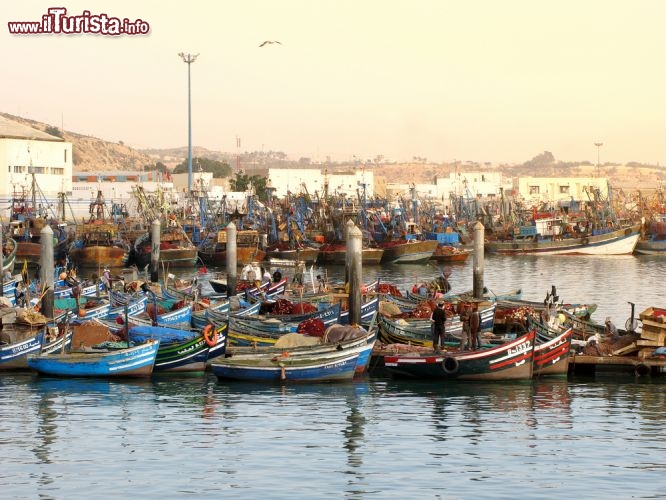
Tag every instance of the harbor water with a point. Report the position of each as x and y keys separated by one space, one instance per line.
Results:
x=171 y=437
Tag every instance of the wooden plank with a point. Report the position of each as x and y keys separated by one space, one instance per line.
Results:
x=626 y=349
x=659 y=337
x=654 y=324
x=648 y=343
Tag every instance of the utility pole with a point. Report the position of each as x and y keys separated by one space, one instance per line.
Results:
x=598 y=145
x=189 y=59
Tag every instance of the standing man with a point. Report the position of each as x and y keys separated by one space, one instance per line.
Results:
x=438 y=320
x=474 y=327
x=465 y=313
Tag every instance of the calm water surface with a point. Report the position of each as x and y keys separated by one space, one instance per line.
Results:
x=174 y=437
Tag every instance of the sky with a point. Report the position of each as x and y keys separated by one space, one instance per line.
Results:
x=496 y=81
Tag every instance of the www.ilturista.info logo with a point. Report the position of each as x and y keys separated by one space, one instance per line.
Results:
x=56 y=21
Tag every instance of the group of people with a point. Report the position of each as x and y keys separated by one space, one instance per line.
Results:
x=471 y=321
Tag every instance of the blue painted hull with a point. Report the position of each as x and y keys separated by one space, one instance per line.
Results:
x=131 y=362
x=286 y=370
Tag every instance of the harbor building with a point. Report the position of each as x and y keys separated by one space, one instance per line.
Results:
x=25 y=151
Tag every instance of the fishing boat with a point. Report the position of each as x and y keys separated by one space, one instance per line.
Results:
x=26 y=222
x=551 y=357
x=336 y=254
x=418 y=332
x=176 y=249
x=336 y=339
x=213 y=249
x=450 y=254
x=599 y=242
x=407 y=251
x=16 y=346
x=182 y=350
x=113 y=361
x=292 y=252
x=98 y=245
x=509 y=361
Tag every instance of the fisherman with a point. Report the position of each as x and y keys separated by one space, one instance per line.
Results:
x=464 y=312
x=475 y=327
x=265 y=277
x=610 y=329
x=438 y=320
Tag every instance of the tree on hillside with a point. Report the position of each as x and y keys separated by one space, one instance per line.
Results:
x=51 y=130
x=218 y=168
x=545 y=159
x=242 y=183
x=159 y=167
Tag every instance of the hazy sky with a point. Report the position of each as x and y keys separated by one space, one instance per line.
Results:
x=481 y=80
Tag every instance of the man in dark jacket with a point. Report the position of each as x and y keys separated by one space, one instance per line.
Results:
x=438 y=320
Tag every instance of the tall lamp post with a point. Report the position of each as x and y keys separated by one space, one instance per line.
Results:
x=598 y=145
x=189 y=59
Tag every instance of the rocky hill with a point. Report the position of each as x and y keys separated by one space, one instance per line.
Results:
x=91 y=154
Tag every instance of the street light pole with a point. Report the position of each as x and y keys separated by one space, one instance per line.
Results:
x=189 y=59
x=598 y=145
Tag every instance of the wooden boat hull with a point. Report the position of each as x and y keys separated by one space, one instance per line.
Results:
x=445 y=253
x=369 y=256
x=410 y=252
x=188 y=353
x=551 y=358
x=32 y=252
x=651 y=247
x=283 y=369
x=244 y=255
x=352 y=342
x=510 y=361
x=14 y=356
x=619 y=242
x=97 y=256
x=307 y=255
x=130 y=362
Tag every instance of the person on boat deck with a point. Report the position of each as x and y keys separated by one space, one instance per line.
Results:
x=610 y=329
x=474 y=327
x=464 y=313
x=277 y=276
x=423 y=290
x=438 y=320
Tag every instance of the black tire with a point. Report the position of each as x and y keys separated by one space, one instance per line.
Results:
x=450 y=365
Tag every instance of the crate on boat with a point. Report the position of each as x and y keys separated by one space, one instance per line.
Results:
x=654 y=314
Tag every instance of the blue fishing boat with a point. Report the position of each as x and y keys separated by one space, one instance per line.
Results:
x=286 y=368
x=180 y=350
x=137 y=361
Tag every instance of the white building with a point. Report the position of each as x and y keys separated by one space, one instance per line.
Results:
x=24 y=151
x=311 y=180
x=558 y=190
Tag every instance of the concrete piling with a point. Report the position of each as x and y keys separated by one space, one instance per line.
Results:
x=46 y=270
x=479 y=235
x=156 y=237
x=354 y=272
x=232 y=260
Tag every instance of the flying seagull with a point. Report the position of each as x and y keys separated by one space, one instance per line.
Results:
x=269 y=41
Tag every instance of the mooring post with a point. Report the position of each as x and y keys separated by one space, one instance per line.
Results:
x=355 y=273
x=156 y=237
x=232 y=260
x=479 y=235
x=46 y=270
